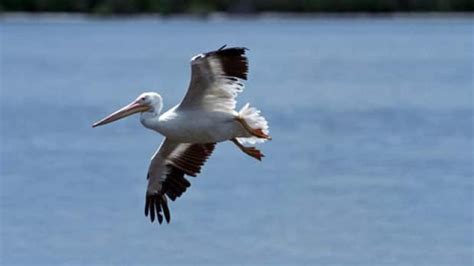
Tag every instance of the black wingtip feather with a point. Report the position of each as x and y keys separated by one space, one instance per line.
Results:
x=233 y=60
x=156 y=205
x=158 y=210
x=152 y=211
x=147 y=206
x=166 y=211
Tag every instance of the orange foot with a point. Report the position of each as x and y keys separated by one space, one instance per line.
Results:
x=250 y=151
x=253 y=152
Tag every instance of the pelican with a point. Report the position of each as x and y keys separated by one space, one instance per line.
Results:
x=204 y=117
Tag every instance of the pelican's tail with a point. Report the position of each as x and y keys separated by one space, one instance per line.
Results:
x=258 y=125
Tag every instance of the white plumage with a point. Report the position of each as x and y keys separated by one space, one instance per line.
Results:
x=205 y=116
x=255 y=120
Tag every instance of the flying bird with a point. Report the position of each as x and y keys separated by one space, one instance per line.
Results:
x=204 y=117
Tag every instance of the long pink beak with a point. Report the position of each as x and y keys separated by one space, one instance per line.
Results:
x=130 y=109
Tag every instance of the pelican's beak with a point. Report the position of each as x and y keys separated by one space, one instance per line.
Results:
x=130 y=109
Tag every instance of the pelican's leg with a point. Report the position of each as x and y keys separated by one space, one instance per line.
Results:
x=251 y=151
x=254 y=132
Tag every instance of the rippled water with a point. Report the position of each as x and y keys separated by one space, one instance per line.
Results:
x=371 y=162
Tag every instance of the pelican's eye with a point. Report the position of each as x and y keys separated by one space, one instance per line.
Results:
x=142 y=99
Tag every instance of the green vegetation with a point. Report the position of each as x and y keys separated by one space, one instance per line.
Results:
x=241 y=6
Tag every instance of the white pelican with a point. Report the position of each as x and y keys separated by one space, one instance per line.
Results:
x=192 y=128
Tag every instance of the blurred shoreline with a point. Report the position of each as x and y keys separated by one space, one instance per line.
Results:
x=58 y=16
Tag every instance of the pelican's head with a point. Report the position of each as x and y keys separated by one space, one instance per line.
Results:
x=148 y=102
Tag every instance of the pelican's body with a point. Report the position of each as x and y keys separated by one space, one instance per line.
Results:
x=192 y=128
x=195 y=126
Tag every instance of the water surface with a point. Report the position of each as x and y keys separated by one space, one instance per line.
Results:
x=371 y=162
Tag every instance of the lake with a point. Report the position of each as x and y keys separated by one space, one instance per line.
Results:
x=371 y=161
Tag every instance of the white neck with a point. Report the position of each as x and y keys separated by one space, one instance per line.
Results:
x=149 y=119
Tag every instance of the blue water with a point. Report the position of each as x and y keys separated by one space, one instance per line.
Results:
x=371 y=162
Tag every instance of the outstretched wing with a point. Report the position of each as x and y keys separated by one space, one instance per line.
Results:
x=170 y=163
x=216 y=78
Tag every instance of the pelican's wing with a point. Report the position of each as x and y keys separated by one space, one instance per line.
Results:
x=216 y=78
x=166 y=173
